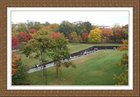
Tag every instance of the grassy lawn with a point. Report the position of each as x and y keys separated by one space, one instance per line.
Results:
x=94 y=69
x=75 y=47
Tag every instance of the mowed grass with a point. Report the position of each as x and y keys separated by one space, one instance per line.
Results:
x=94 y=69
x=73 y=47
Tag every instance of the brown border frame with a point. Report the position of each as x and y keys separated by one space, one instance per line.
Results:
x=69 y=3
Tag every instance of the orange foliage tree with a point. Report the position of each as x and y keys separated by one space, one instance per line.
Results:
x=15 y=59
x=107 y=33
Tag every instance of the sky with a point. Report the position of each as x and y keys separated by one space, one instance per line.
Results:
x=106 y=18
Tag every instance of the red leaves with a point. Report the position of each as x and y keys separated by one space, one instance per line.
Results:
x=107 y=32
x=24 y=37
x=15 y=42
x=55 y=35
x=120 y=33
x=85 y=36
x=20 y=37
x=32 y=31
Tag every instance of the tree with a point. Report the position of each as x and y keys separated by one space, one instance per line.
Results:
x=55 y=35
x=38 y=47
x=59 y=53
x=124 y=45
x=53 y=46
x=32 y=31
x=21 y=27
x=120 y=35
x=15 y=60
x=73 y=37
x=15 y=42
x=122 y=78
x=52 y=27
x=85 y=37
x=82 y=27
x=66 y=27
x=47 y=23
x=19 y=75
x=125 y=29
x=24 y=37
x=107 y=33
x=33 y=25
x=95 y=35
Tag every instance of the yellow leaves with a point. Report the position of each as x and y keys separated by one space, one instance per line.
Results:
x=124 y=46
x=74 y=37
x=125 y=42
x=97 y=30
x=15 y=58
x=95 y=35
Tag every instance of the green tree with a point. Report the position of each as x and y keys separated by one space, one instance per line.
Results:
x=21 y=27
x=33 y=25
x=66 y=27
x=82 y=27
x=38 y=47
x=59 y=52
x=95 y=35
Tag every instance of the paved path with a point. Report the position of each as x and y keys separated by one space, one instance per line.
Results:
x=52 y=64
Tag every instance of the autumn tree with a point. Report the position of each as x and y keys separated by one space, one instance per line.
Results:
x=45 y=46
x=124 y=45
x=15 y=60
x=60 y=52
x=107 y=33
x=15 y=42
x=122 y=78
x=24 y=36
x=19 y=75
x=73 y=37
x=85 y=37
x=51 y=28
x=95 y=35
x=118 y=33
x=32 y=31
